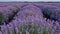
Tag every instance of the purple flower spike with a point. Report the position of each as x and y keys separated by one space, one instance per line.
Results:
x=0 y=32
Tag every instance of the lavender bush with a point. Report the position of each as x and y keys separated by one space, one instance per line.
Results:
x=51 y=12
x=10 y=12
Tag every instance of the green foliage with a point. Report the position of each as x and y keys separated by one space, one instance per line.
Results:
x=50 y=31
x=22 y=29
x=44 y=31
x=35 y=30
x=1 y=18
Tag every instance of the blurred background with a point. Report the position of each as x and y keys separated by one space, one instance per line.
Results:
x=30 y=0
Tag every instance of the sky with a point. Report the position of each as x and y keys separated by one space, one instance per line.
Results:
x=29 y=0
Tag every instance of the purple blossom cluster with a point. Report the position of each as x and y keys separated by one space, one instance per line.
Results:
x=30 y=19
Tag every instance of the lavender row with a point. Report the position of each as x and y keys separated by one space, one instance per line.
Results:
x=16 y=27
x=9 y=12
x=51 y=12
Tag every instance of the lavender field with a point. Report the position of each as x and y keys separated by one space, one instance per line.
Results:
x=29 y=18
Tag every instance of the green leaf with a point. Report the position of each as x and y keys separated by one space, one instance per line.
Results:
x=44 y=31
x=35 y=30
x=23 y=32
x=49 y=31
x=1 y=18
